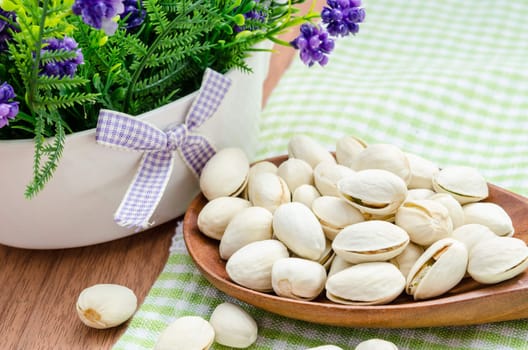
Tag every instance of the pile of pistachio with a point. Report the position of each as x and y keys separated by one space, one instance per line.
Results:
x=363 y=226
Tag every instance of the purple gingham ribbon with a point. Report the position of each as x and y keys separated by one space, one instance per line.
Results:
x=124 y=131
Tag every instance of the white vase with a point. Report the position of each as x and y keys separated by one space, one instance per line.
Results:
x=77 y=205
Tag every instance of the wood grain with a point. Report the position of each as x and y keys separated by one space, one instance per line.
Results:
x=468 y=303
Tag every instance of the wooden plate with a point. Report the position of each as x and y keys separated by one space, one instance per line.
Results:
x=468 y=303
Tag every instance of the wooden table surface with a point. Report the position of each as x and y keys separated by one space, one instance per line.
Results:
x=39 y=288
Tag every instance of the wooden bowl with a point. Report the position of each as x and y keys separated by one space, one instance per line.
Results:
x=468 y=303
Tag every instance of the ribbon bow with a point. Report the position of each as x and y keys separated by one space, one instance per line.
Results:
x=124 y=131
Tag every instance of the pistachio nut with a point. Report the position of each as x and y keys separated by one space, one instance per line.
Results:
x=297 y=227
x=472 y=234
x=374 y=240
x=441 y=267
x=225 y=174
x=233 y=326
x=371 y=283
x=426 y=221
x=250 y=266
x=407 y=258
x=308 y=149
x=259 y=167
x=422 y=171
x=347 y=148
x=268 y=190
x=497 y=259
x=376 y=344
x=296 y=172
x=338 y=264
x=419 y=193
x=335 y=214
x=327 y=174
x=216 y=214
x=249 y=225
x=465 y=184
x=305 y=194
x=383 y=156
x=491 y=215
x=298 y=278
x=453 y=207
x=187 y=332
x=373 y=191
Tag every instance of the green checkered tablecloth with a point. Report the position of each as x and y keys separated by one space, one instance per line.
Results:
x=444 y=79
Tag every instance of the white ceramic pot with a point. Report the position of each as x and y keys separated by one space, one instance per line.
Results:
x=76 y=207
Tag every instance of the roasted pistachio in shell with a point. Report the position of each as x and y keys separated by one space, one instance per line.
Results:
x=497 y=259
x=225 y=174
x=233 y=326
x=308 y=149
x=338 y=264
x=472 y=234
x=383 y=156
x=376 y=344
x=373 y=191
x=347 y=148
x=441 y=267
x=419 y=193
x=335 y=214
x=465 y=184
x=187 y=332
x=374 y=240
x=453 y=207
x=298 y=278
x=216 y=214
x=326 y=176
x=372 y=283
x=296 y=172
x=405 y=261
x=268 y=190
x=422 y=171
x=491 y=215
x=305 y=194
x=259 y=167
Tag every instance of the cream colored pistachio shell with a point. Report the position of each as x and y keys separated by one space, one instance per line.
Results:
x=453 y=207
x=405 y=261
x=297 y=227
x=422 y=171
x=268 y=190
x=249 y=225
x=347 y=148
x=472 y=234
x=326 y=176
x=328 y=255
x=259 y=167
x=216 y=214
x=373 y=191
x=187 y=332
x=296 y=172
x=326 y=347
x=225 y=174
x=106 y=305
x=491 y=215
x=298 y=278
x=338 y=264
x=441 y=267
x=383 y=156
x=419 y=193
x=426 y=221
x=233 y=326
x=305 y=194
x=334 y=214
x=498 y=259
x=308 y=149
x=250 y=266
x=371 y=283
x=366 y=241
x=376 y=344
x=465 y=184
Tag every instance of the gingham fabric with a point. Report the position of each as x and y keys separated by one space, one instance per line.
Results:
x=447 y=80
x=120 y=130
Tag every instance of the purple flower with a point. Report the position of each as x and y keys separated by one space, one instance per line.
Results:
x=66 y=67
x=314 y=44
x=257 y=14
x=342 y=17
x=6 y=26
x=134 y=13
x=8 y=109
x=99 y=13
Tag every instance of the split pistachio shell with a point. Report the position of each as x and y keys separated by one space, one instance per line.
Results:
x=187 y=332
x=491 y=215
x=250 y=266
x=328 y=255
x=441 y=267
x=373 y=191
x=383 y=156
x=268 y=190
x=225 y=174
x=419 y=193
x=347 y=148
x=296 y=172
x=472 y=234
x=334 y=214
x=249 y=225
x=297 y=278
x=370 y=241
x=309 y=150
x=376 y=344
x=326 y=347
x=370 y=283
x=233 y=326
x=106 y=305
x=407 y=258
x=453 y=207
x=297 y=227
x=259 y=167
x=498 y=259
x=426 y=221
x=305 y=194
x=216 y=214
x=422 y=171
x=338 y=264
x=465 y=184
x=326 y=176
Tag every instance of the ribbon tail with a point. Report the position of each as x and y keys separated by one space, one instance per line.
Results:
x=145 y=191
